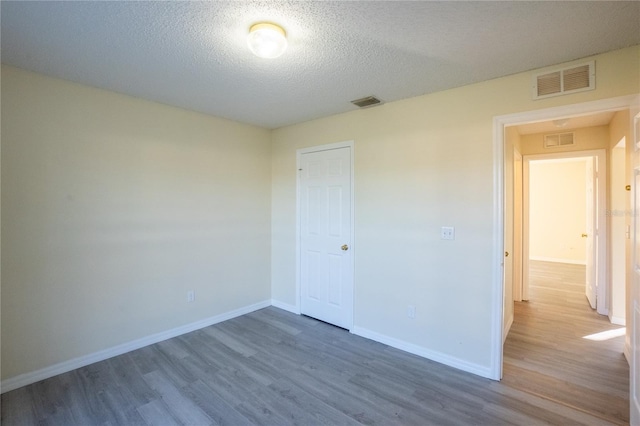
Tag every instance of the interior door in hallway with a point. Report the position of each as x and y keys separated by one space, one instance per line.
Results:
x=326 y=252
x=591 y=233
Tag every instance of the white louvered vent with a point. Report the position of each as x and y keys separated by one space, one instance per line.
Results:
x=558 y=139
x=564 y=81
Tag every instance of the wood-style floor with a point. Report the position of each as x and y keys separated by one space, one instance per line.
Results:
x=271 y=367
x=546 y=352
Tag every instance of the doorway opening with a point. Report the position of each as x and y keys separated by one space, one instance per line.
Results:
x=501 y=292
x=564 y=217
x=565 y=275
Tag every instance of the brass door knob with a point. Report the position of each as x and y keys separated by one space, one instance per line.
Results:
x=344 y=247
x=506 y=254
x=584 y=235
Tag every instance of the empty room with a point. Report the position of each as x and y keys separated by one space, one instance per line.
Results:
x=310 y=212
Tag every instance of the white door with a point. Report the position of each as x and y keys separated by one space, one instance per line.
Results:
x=635 y=286
x=326 y=252
x=517 y=226
x=589 y=235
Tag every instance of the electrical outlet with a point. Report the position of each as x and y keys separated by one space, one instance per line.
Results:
x=191 y=296
x=411 y=311
x=448 y=233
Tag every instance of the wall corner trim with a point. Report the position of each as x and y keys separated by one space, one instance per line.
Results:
x=285 y=306
x=25 y=379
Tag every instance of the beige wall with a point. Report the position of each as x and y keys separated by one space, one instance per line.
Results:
x=112 y=209
x=557 y=210
x=586 y=139
x=420 y=164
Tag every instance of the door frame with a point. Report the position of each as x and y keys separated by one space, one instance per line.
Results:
x=499 y=123
x=352 y=247
x=602 y=294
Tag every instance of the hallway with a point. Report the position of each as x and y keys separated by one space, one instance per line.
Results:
x=546 y=352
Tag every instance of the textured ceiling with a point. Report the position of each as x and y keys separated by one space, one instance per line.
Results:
x=194 y=54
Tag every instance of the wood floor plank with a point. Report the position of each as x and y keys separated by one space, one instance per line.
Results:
x=273 y=367
x=181 y=407
x=156 y=413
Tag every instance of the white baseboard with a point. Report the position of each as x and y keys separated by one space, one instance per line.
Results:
x=424 y=352
x=285 y=306
x=618 y=321
x=558 y=260
x=66 y=366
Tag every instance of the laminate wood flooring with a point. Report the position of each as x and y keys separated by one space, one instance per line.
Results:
x=272 y=367
x=546 y=352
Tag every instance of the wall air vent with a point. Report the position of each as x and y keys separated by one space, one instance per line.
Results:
x=563 y=81
x=558 y=139
x=369 y=101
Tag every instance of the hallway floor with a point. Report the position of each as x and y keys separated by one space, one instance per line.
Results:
x=546 y=353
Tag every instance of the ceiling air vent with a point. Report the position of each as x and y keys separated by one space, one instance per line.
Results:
x=558 y=139
x=564 y=81
x=366 y=102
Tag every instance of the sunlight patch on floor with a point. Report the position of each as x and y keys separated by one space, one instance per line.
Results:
x=606 y=335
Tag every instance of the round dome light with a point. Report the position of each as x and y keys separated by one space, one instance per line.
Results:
x=267 y=40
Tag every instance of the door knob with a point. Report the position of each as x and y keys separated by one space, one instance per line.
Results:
x=344 y=247
x=506 y=254
x=584 y=235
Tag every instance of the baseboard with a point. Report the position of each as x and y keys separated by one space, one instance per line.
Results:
x=285 y=306
x=557 y=260
x=424 y=352
x=66 y=366
x=618 y=321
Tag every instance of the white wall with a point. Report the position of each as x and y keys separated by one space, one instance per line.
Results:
x=557 y=210
x=114 y=207
x=420 y=164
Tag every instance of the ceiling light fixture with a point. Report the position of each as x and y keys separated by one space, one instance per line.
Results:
x=267 y=40
x=561 y=122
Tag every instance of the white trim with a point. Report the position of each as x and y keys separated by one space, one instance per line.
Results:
x=558 y=260
x=618 y=321
x=440 y=357
x=525 y=230
x=497 y=291
x=285 y=306
x=499 y=123
x=82 y=361
x=337 y=145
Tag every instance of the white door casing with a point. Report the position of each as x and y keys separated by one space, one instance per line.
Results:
x=325 y=217
x=634 y=391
